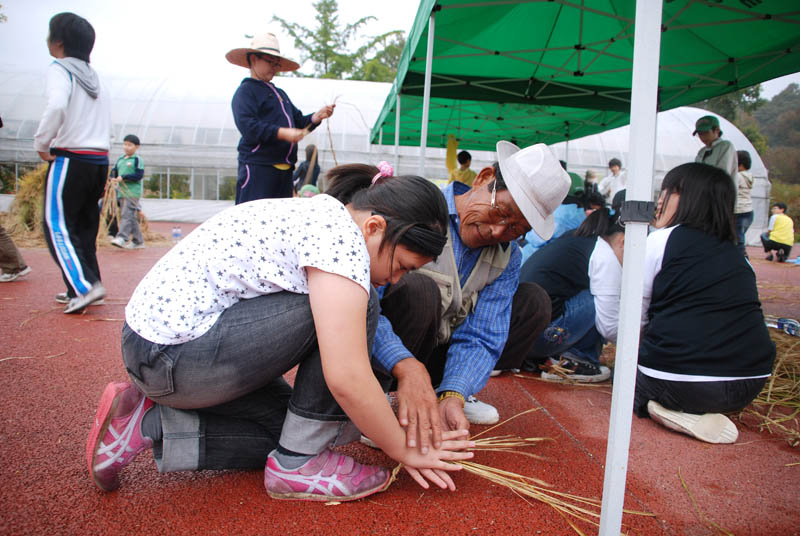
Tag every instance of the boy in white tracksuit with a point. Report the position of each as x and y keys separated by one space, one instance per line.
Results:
x=74 y=137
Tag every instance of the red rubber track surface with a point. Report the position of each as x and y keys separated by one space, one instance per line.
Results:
x=53 y=368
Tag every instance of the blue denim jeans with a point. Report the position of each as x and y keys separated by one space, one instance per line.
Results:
x=573 y=333
x=743 y=222
x=222 y=398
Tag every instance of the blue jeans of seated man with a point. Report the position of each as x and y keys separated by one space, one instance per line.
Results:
x=222 y=398
x=573 y=333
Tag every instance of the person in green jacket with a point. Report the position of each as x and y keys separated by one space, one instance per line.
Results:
x=128 y=173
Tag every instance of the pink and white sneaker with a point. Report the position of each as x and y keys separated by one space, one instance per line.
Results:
x=328 y=476
x=116 y=438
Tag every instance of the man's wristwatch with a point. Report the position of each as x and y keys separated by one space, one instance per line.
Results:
x=452 y=394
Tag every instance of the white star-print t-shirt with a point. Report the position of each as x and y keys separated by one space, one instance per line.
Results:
x=248 y=250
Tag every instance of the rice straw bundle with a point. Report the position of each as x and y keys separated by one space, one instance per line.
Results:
x=24 y=219
x=777 y=407
x=110 y=212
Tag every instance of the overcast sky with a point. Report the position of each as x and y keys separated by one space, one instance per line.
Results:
x=161 y=36
x=157 y=37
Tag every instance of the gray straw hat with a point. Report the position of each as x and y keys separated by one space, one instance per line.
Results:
x=265 y=43
x=536 y=181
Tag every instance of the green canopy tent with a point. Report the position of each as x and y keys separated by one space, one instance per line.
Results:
x=545 y=71
x=561 y=70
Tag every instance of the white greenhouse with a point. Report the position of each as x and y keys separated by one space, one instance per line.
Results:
x=189 y=137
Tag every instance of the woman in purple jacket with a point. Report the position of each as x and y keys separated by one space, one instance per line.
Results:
x=270 y=124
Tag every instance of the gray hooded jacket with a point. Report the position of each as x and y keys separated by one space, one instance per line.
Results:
x=86 y=76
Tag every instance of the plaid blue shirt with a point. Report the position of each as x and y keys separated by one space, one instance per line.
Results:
x=477 y=343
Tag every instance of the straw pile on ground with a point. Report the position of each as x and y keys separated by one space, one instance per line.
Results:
x=777 y=409
x=23 y=222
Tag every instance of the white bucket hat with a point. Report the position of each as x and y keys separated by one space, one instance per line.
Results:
x=265 y=43
x=536 y=181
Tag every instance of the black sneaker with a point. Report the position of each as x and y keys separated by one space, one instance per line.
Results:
x=565 y=370
x=768 y=257
x=781 y=256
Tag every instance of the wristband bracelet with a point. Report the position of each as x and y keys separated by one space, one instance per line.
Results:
x=452 y=394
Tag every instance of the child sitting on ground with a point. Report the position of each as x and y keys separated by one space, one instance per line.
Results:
x=581 y=273
x=705 y=349
x=128 y=173
x=780 y=233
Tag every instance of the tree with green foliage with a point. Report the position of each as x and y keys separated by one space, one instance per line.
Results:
x=778 y=118
x=738 y=107
x=749 y=127
x=328 y=43
x=383 y=66
x=732 y=105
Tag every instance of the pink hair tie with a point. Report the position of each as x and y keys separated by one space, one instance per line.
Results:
x=384 y=170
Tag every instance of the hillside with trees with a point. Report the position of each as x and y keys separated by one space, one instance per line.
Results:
x=779 y=122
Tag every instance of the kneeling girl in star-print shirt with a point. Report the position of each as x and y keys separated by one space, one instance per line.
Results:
x=251 y=293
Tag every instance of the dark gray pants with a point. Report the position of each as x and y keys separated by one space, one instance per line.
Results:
x=129 y=228
x=413 y=306
x=222 y=398
x=11 y=261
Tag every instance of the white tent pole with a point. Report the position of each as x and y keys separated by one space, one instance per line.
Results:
x=397 y=134
x=426 y=97
x=647 y=43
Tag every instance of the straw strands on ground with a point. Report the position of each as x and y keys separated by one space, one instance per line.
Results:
x=570 y=507
x=709 y=523
x=777 y=407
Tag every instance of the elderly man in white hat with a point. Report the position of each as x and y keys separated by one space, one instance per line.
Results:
x=445 y=327
x=270 y=124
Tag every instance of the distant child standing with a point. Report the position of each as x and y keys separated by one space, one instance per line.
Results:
x=128 y=173
x=613 y=182
x=73 y=136
x=743 y=210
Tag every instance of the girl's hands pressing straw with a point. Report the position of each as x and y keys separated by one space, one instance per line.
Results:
x=435 y=464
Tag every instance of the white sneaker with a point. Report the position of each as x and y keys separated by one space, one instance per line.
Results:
x=708 y=427
x=133 y=245
x=118 y=241
x=368 y=442
x=7 y=277
x=498 y=372
x=62 y=297
x=478 y=412
x=78 y=303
